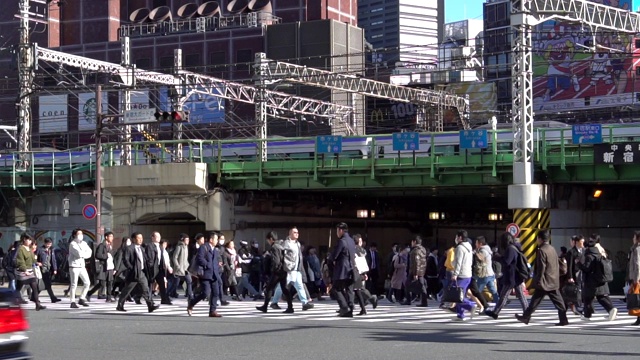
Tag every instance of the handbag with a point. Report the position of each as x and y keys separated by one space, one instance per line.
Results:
x=361 y=264
x=571 y=293
x=387 y=284
x=633 y=300
x=37 y=272
x=453 y=293
x=25 y=275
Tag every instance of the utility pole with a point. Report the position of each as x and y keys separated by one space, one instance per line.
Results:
x=25 y=78
x=98 y=183
x=261 y=105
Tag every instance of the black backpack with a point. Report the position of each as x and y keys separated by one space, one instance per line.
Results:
x=522 y=266
x=602 y=270
x=9 y=260
x=497 y=268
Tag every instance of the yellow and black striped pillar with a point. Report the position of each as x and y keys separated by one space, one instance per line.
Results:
x=530 y=222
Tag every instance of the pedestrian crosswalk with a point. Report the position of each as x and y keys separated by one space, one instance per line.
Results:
x=544 y=317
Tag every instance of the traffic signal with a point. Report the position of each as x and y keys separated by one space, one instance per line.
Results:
x=180 y=116
x=162 y=116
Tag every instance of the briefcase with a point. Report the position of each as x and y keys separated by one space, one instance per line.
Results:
x=571 y=293
x=453 y=294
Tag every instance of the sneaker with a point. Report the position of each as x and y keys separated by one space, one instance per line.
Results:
x=275 y=306
x=458 y=318
x=584 y=318
x=307 y=306
x=613 y=314
x=472 y=312
x=74 y=305
x=522 y=319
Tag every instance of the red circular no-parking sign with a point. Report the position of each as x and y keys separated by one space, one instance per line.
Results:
x=513 y=229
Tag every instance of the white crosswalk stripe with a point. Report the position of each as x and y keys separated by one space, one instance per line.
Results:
x=545 y=316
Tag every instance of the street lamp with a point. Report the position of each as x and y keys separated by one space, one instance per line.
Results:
x=436 y=216
x=493 y=217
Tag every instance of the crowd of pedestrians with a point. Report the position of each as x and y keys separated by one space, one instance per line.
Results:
x=469 y=278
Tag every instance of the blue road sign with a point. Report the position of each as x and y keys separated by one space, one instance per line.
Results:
x=586 y=134
x=329 y=144
x=473 y=139
x=406 y=141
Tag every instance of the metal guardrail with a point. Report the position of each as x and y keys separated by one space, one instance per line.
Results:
x=236 y=159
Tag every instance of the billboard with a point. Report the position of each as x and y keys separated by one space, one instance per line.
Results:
x=87 y=110
x=53 y=115
x=203 y=109
x=576 y=69
x=483 y=101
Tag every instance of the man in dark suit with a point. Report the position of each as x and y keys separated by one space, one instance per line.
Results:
x=135 y=262
x=546 y=281
x=373 y=260
x=574 y=275
x=49 y=267
x=156 y=268
x=343 y=259
x=208 y=265
x=104 y=268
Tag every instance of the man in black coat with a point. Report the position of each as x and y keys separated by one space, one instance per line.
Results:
x=135 y=262
x=104 y=268
x=156 y=267
x=274 y=266
x=574 y=275
x=343 y=258
x=49 y=267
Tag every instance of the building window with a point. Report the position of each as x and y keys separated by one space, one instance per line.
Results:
x=192 y=62
x=166 y=63
x=244 y=59
x=143 y=63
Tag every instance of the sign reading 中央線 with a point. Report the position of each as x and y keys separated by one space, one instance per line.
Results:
x=616 y=154
x=406 y=141
x=328 y=144
x=473 y=139
x=586 y=134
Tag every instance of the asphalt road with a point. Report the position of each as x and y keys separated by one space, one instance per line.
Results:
x=65 y=334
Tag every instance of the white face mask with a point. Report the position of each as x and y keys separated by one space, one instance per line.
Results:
x=221 y=242
x=79 y=237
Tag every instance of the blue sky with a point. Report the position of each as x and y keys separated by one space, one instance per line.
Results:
x=456 y=10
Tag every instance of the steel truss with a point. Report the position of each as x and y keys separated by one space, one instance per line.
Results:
x=525 y=14
x=194 y=83
x=354 y=84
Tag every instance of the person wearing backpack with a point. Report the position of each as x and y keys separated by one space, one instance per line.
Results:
x=510 y=280
x=546 y=281
x=595 y=279
x=9 y=264
x=275 y=270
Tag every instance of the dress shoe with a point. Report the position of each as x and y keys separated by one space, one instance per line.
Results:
x=288 y=311
x=120 y=308
x=109 y=300
x=363 y=312
x=23 y=301
x=74 y=306
x=82 y=302
x=407 y=302
x=101 y=297
x=307 y=306
x=275 y=306
x=562 y=323
x=66 y=293
x=491 y=314
x=262 y=308
x=189 y=310
x=89 y=297
x=374 y=302
x=166 y=302
x=215 y=314
x=422 y=305
x=53 y=301
x=152 y=308
x=522 y=319
x=137 y=301
x=348 y=314
x=637 y=322
x=258 y=297
x=40 y=307
x=224 y=302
